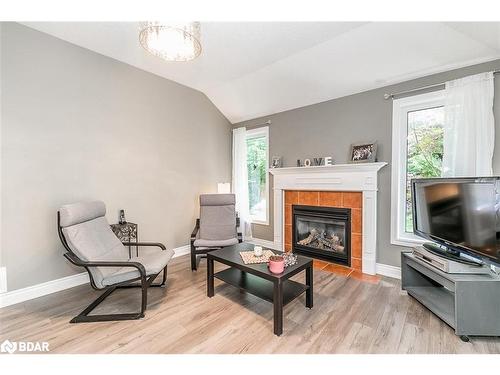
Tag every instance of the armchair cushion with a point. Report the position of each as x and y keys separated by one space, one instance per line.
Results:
x=152 y=262
x=93 y=240
x=217 y=217
x=77 y=213
x=215 y=243
x=217 y=200
x=90 y=238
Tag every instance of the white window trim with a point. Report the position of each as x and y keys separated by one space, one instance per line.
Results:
x=259 y=132
x=401 y=107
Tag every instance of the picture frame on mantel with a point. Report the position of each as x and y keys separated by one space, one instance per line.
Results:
x=365 y=152
x=276 y=162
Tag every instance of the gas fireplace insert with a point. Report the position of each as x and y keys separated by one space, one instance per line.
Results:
x=322 y=233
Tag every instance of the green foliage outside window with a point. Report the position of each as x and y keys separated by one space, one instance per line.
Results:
x=256 y=163
x=425 y=150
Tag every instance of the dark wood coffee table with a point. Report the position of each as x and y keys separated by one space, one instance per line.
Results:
x=256 y=279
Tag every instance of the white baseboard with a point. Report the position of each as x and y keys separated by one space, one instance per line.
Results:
x=39 y=290
x=49 y=287
x=182 y=250
x=265 y=243
x=3 y=279
x=389 y=271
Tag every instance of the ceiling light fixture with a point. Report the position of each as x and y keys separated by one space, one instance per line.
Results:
x=171 y=41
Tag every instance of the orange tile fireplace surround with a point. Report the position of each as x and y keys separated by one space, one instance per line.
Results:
x=352 y=200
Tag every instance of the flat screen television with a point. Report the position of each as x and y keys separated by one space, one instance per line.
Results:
x=461 y=214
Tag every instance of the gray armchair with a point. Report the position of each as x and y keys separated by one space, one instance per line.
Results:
x=217 y=226
x=91 y=244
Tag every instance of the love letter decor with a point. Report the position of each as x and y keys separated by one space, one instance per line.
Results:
x=315 y=162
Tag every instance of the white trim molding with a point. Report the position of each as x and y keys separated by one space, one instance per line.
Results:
x=388 y=270
x=182 y=250
x=341 y=177
x=39 y=290
x=401 y=108
x=53 y=286
x=3 y=279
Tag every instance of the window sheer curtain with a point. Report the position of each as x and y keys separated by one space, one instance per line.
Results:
x=240 y=181
x=469 y=126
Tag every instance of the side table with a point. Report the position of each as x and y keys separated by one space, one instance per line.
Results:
x=127 y=232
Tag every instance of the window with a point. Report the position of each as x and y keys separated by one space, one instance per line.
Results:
x=417 y=152
x=257 y=163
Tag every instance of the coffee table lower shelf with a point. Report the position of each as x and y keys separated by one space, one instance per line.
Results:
x=256 y=279
x=260 y=287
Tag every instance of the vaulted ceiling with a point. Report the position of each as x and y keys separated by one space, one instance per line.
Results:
x=250 y=70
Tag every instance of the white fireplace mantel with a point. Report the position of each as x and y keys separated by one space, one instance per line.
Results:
x=340 y=177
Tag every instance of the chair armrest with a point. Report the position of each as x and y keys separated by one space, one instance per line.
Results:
x=78 y=262
x=157 y=244
x=194 y=233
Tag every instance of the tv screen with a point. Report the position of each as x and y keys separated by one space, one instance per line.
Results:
x=461 y=213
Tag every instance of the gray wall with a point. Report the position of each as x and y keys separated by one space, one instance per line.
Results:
x=329 y=128
x=80 y=126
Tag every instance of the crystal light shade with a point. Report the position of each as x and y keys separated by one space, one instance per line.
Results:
x=171 y=41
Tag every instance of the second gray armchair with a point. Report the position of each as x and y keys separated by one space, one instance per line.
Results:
x=217 y=226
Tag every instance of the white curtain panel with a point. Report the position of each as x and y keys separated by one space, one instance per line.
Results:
x=240 y=181
x=469 y=126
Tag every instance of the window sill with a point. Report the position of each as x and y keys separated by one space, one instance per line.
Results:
x=408 y=241
x=258 y=222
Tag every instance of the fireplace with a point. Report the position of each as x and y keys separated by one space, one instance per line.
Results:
x=322 y=232
x=351 y=186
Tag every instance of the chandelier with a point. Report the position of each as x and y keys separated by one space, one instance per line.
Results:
x=171 y=41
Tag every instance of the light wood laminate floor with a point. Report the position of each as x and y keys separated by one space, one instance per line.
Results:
x=349 y=316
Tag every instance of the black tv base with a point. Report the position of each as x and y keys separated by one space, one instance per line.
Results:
x=449 y=254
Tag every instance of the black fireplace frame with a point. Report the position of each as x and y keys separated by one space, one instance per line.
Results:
x=343 y=214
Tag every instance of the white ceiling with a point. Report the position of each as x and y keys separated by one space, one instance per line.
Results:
x=250 y=70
